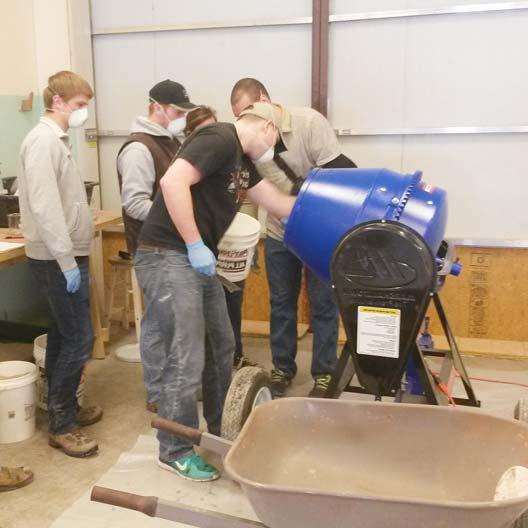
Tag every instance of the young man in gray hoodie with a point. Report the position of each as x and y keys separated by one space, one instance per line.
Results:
x=58 y=230
x=141 y=162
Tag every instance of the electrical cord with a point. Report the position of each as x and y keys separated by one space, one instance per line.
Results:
x=502 y=382
x=443 y=388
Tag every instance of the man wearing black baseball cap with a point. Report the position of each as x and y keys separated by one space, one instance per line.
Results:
x=171 y=93
x=142 y=160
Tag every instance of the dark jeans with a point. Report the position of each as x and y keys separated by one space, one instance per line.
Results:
x=234 y=309
x=70 y=340
x=284 y=272
x=191 y=315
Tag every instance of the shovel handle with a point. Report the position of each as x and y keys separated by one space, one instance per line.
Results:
x=181 y=431
x=194 y=436
x=130 y=501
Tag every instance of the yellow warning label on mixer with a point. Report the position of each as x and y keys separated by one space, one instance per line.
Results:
x=378 y=331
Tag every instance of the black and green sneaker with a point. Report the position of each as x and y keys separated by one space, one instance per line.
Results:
x=279 y=383
x=320 y=387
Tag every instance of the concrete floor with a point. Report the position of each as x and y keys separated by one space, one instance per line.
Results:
x=117 y=386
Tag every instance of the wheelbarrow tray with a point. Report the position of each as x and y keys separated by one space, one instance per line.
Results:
x=314 y=463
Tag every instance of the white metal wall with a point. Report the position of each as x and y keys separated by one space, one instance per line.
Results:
x=391 y=77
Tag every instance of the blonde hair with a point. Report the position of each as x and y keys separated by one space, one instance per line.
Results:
x=66 y=84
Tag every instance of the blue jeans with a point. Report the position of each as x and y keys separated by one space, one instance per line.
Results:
x=191 y=315
x=152 y=351
x=284 y=272
x=70 y=340
x=234 y=309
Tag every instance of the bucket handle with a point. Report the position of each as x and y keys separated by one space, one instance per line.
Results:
x=195 y=436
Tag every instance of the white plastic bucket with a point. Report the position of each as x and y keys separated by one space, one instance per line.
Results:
x=18 y=398
x=39 y=353
x=237 y=247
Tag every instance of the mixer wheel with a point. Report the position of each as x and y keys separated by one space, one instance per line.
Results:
x=250 y=387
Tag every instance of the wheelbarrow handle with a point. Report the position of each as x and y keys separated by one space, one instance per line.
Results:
x=181 y=431
x=130 y=501
x=171 y=511
x=196 y=437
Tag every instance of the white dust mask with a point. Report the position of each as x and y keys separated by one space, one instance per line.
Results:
x=177 y=126
x=78 y=118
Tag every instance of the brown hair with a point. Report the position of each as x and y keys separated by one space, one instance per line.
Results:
x=248 y=86
x=197 y=116
x=66 y=84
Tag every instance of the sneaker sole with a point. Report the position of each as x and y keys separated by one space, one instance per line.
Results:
x=169 y=468
x=74 y=454
x=317 y=395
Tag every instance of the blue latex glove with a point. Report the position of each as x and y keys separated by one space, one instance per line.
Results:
x=202 y=258
x=73 y=279
x=284 y=221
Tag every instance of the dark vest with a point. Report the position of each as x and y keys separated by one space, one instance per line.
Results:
x=163 y=150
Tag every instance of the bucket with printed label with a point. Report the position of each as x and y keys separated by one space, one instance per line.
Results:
x=237 y=247
x=39 y=353
x=18 y=398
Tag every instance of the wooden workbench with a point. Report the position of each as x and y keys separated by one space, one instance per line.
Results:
x=486 y=305
x=102 y=220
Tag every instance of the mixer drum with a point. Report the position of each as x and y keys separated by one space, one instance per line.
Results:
x=333 y=201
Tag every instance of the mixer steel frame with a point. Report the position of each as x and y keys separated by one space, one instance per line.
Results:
x=389 y=265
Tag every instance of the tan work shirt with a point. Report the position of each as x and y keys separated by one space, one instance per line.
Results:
x=311 y=142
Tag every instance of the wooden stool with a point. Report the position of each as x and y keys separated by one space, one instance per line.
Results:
x=124 y=269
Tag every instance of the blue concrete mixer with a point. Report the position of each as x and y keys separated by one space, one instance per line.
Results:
x=377 y=237
x=332 y=201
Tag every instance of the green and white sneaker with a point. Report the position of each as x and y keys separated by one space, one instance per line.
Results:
x=191 y=467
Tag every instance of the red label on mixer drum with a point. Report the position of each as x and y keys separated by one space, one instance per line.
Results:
x=428 y=188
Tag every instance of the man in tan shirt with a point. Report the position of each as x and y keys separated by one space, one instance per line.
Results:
x=306 y=141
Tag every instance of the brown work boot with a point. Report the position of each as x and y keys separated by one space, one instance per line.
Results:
x=74 y=444
x=89 y=415
x=12 y=478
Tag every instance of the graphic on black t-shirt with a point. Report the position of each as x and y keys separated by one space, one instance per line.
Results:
x=226 y=175
x=239 y=184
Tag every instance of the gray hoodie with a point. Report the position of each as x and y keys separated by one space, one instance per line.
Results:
x=55 y=216
x=136 y=166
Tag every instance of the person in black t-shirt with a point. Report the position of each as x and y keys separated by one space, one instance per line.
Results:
x=176 y=267
x=197 y=118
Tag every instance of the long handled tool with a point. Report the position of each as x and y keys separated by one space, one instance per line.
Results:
x=171 y=511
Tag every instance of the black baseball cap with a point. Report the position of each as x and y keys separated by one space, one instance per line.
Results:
x=173 y=93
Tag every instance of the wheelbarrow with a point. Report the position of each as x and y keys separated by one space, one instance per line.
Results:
x=312 y=463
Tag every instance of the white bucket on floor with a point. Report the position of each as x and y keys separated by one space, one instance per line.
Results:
x=237 y=247
x=18 y=398
x=39 y=353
